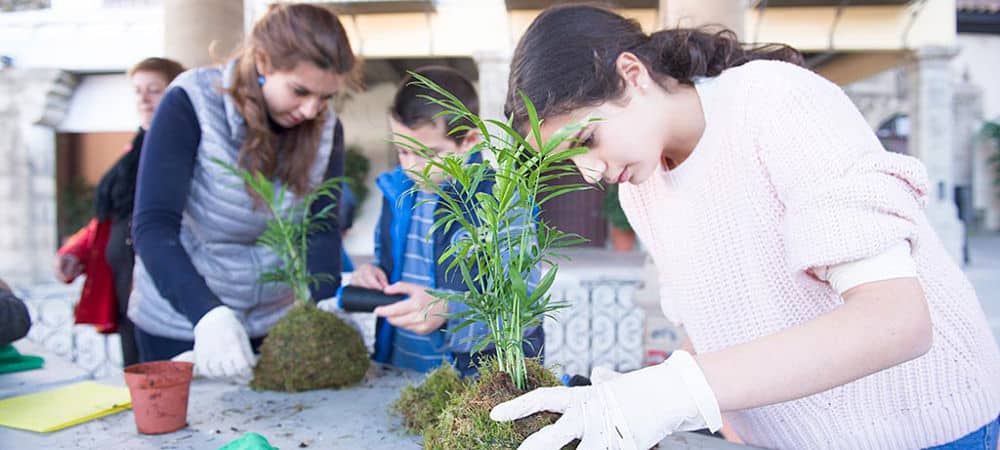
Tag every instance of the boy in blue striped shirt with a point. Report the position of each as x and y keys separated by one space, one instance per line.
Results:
x=413 y=333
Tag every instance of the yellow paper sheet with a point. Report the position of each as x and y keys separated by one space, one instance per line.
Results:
x=53 y=410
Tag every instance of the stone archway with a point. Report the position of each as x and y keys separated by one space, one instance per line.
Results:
x=32 y=103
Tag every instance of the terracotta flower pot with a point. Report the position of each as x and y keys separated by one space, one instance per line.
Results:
x=622 y=240
x=159 y=395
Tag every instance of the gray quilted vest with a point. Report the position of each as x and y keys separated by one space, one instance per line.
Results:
x=220 y=225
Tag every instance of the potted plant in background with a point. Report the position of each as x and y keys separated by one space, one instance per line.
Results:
x=76 y=206
x=991 y=131
x=356 y=169
x=622 y=235
x=495 y=255
x=308 y=348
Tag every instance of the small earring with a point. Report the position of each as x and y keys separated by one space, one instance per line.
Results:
x=645 y=86
x=260 y=80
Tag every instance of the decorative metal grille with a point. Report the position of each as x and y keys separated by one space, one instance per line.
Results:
x=601 y=326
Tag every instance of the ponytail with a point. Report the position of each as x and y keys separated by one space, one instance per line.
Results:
x=686 y=53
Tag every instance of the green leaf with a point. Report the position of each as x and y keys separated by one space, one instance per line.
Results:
x=560 y=192
x=544 y=284
x=480 y=346
x=518 y=284
x=533 y=119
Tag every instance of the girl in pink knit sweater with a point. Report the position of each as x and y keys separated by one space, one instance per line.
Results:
x=823 y=308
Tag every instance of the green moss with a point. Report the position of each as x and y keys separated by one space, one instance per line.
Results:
x=310 y=349
x=465 y=422
x=421 y=405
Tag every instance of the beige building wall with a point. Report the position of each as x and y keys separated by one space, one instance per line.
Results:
x=98 y=152
x=200 y=32
x=859 y=28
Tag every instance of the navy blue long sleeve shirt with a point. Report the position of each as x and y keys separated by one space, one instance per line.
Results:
x=165 y=172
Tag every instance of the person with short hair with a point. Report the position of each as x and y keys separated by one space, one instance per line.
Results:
x=102 y=250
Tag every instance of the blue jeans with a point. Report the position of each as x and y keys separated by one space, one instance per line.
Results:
x=984 y=438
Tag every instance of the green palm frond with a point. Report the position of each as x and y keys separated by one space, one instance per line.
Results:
x=287 y=232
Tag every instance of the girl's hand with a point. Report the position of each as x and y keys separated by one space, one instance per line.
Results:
x=635 y=410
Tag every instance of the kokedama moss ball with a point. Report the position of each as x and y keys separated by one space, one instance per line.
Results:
x=310 y=349
x=421 y=405
x=465 y=422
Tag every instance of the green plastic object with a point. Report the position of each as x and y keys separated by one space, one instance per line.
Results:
x=249 y=441
x=13 y=361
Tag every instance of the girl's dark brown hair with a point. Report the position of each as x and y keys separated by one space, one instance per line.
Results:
x=566 y=58
x=287 y=35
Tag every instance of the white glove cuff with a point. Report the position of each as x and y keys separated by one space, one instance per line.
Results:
x=896 y=262
x=689 y=371
x=213 y=316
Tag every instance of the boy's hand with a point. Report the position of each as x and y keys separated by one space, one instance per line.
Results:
x=370 y=277
x=421 y=313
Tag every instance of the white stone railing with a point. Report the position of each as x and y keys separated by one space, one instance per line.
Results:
x=601 y=326
x=51 y=308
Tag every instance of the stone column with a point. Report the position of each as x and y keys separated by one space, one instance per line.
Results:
x=968 y=121
x=968 y=109
x=932 y=127
x=251 y=10
x=494 y=70
x=694 y=13
x=33 y=101
x=192 y=27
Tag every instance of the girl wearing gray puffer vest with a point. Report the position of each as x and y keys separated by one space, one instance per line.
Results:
x=197 y=268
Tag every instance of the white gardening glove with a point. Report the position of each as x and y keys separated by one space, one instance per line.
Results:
x=601 y=374
x=332 y=306
x=633 y=411
x=222 y=347
x=188 y=356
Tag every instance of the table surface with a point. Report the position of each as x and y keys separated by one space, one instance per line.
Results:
x=218 y=412
x=56 y=372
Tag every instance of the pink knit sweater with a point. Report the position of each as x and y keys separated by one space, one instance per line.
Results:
x=788 y=176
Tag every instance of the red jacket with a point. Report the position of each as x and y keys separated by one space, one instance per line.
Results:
x=98 y=305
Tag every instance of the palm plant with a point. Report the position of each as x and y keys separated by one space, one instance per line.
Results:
x=296 y=355
x=500 y=241
x=287 y=232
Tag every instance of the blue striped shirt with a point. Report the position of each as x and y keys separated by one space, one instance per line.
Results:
x=411 y=350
